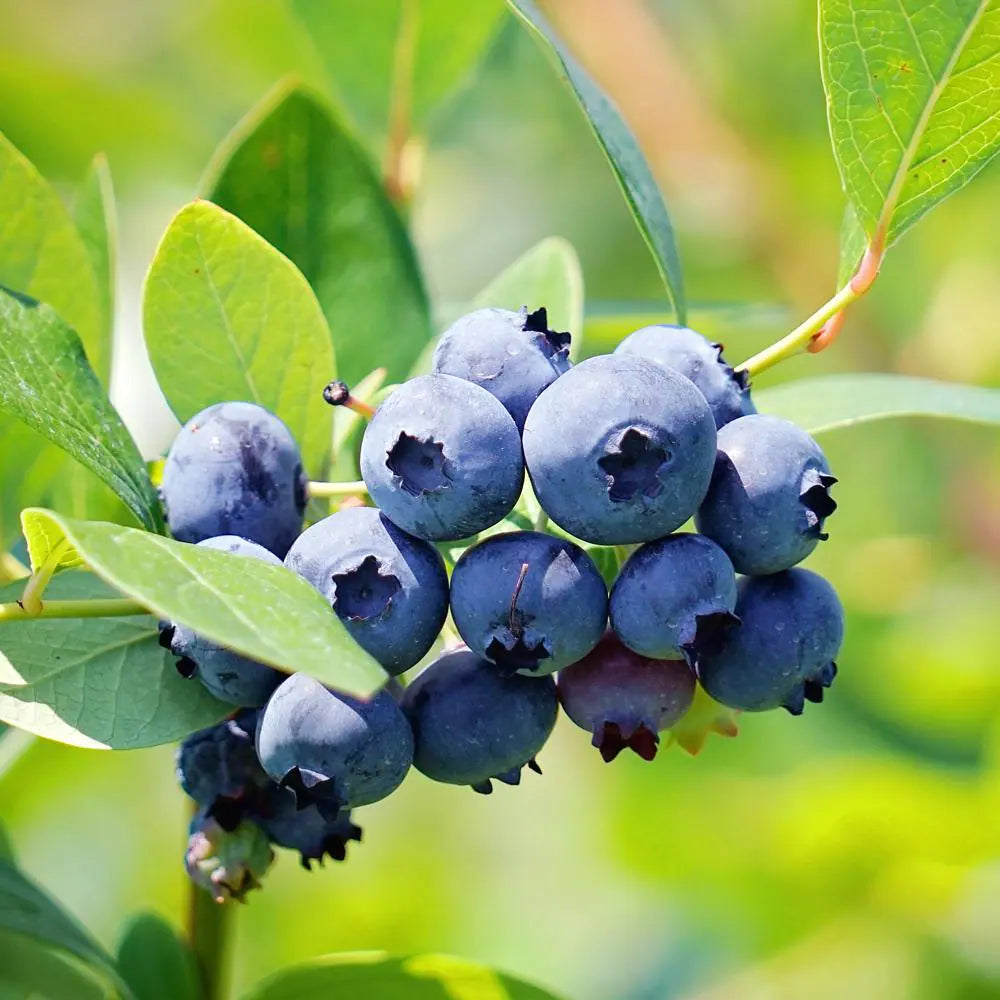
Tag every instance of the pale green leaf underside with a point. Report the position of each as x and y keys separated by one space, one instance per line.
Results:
x=623 y=152
x=226 y=316
x=100 y=683
x=376 y=976
x=829 y=402
x=46 y=383
x=262 y=611
x=913 y=100
x=547 y=274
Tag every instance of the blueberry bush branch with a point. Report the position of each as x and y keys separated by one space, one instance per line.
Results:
x=111 y=607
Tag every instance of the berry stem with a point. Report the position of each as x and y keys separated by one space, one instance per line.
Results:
x=207 y=933
x=322 y=491
x=821 y=328
x=112 y=607
x=397 y=184
x=31 y=598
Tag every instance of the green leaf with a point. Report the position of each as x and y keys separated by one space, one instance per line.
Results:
x=376 y=976
x=227 y=316
x=94 y=214
x=294 y=174
x=27 y=911
x=31 y=970
x=43 y=537
x=623 y=152
x=41 y=255
x=262 y=611
x=155 y=962
x=384 y=57
x=102 y=683
x=853 y=242
x=913 y=99
x=548 y=274
x=45 y=382
x=829 y=402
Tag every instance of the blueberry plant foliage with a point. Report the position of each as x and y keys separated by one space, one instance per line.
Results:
x=291 y=282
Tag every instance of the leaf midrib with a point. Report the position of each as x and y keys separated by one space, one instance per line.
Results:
x=910 y=150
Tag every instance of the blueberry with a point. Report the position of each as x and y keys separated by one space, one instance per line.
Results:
x=235 y=469
x=442 y=458
x=228 y=675
x=331 y=749
x=674 y=598
x=727 y=391
x=228 y=863
x=620 y=449
x=513 y=355
x=769 y=497
x=308 y=831
x=625 y=699
x=783 y=653
x=472 y=723
x=218 y=766
x=390 y=589
x=528 y=602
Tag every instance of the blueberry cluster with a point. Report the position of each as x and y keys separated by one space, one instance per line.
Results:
x=621 y=451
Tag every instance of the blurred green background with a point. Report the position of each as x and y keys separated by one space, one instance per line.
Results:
x=854 y=851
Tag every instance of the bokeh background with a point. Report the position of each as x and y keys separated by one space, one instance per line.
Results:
x=852 y=852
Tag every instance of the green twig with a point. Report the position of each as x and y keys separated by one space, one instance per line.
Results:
x=31 y=599
x=810 y=330
x=322 y=491
x=112 y=607
x=208 y=936
x=12 y=568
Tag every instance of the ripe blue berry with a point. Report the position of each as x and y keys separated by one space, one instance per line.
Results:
x=528 y=602
x=308 y=831
x=620 y=449
x=783 y=653
x=331 y=749
x=218 y=766
x=235 y=469
x=677 y=347
x=674 y=598
x=442 y=458
x=472 y=723
x=228 y=675
x=512 y=355
x=769 y=497
x=389 y=588
x=625 y=699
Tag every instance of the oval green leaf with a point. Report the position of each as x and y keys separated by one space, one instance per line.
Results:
x=829 y=402
x=46 y=382
x=403 y=55
x=293 y=173
x=913 y=100
x=623 y=152
x=155 y=962
x=262 y=611
x=226 y=316
x=101 y=683
x=376 y=976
